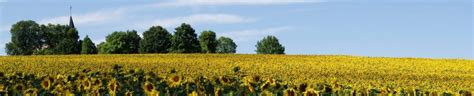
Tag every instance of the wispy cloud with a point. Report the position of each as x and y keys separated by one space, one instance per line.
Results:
x=108 y=15
x=254 y=34
x=100 y=16
x=233 y=2
x=203 y=19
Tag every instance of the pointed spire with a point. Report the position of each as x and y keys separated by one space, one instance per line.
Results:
x=71 y=22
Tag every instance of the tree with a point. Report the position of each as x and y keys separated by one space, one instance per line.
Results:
x=69 y=43
x=208 y=41
x=88 y=47
x=102 y=48
x=155 y=40
x=184 y=40
x=25 y=38
x=59 y=39
x=269 y=45
x=120 y=42
x=225 y=45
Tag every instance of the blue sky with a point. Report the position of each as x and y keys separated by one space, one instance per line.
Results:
x=388 y=28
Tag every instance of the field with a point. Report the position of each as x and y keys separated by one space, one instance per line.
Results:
x=317 y=73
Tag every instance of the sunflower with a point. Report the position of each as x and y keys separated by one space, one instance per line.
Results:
x=113 y=86
x=290 y=92
x=311 y=92
x=272 y=82
x=58 y=89
x=96 y=82
x=148 y=87
x=86 y=83
x=81 y=76
x=19 y=88
x=60 y=77
x=224 y=80
x=218 y=92
x=46 y=83
x=249 y=87
x=265 y=86
x=31 y=92
x=175 y=81
x=302 y=87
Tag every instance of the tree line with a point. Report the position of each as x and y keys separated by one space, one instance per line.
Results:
x=30 y=38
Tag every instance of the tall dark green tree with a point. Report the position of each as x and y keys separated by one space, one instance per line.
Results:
x=59 y=39
x=269 y=45
x=155 y=40
x=120 y=42
x=88 y=47
x=208 y=41
x=225 y=45
x=185 y=40
x=69 y=43
x=25 y=38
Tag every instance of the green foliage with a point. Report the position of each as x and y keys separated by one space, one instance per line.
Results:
x=121 y=42
x=29 y=38
x=185 y=40
x=88 y=47
x=56 y=39
x=155 y=40
x=69 y=43
x=208 y=41
x=25 y=38
x=269 y=45
x=225 y=45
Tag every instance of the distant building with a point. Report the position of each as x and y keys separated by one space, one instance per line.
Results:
x=71 y=22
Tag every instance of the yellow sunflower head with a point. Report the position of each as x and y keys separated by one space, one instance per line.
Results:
x=19 y=88
x=148 y=87
x=302 y=87
x=31 y=92
x=265 y=86
x=81 y=76
x=290 y=92
x=96 y=82
x=113 y=86
x=224 y=80
x=272 y=82
x=87 y=84
x=311 y=92
x=60 y=77
x=175 y=81
x=218 y=92
x=46 y=83
x=58 y=89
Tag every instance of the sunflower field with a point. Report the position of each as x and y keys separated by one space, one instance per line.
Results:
x=233 y=74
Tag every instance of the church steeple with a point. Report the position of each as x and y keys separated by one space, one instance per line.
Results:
x=71 y=22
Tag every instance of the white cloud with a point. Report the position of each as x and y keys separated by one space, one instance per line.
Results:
x=233 y=2
x=203 y=19
x=100 y=16
x=105 y=16
x=253 y=34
